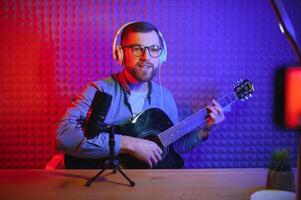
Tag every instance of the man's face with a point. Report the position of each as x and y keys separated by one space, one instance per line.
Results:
x=141 y=68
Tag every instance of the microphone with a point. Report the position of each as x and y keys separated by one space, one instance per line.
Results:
x=94 y=121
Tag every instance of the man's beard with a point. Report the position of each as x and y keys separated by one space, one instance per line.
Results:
x=144 y=72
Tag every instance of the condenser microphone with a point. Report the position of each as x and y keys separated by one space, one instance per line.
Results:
x=96 y=114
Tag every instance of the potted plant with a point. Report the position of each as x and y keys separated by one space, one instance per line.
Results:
x=280 y=175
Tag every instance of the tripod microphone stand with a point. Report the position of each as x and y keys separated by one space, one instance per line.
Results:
x=112 y=162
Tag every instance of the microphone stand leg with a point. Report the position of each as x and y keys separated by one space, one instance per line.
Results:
x=132 y=183
x=92 y=179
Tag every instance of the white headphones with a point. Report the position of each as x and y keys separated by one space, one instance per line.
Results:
x=117 y=51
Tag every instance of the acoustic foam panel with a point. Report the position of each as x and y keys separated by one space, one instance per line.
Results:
x=51 y=49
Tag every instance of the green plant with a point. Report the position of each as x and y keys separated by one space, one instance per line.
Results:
x=280 y=161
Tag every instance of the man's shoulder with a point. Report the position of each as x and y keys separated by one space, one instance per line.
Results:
x=104 y=84
x=107 y=85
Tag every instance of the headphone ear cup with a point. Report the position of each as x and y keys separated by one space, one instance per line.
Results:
x=163 y=57
x=119 y=54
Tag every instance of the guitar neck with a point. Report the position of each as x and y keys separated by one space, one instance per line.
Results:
x=182 y=128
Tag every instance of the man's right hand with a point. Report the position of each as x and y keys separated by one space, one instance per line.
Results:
x=144 y=150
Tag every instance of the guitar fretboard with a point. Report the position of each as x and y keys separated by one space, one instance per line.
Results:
x=182 y=128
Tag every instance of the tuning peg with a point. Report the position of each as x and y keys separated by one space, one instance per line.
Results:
x=240 y=80
x=247 y=97
x=233 y=85
x=250 y=95
x=243 y=100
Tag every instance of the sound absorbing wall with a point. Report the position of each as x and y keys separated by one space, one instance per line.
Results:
x=49 y=51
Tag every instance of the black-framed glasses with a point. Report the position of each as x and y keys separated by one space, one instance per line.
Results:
x=138 y=50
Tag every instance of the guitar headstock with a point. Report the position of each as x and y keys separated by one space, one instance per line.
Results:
x=243 y=89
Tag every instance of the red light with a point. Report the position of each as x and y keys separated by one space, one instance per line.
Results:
x=293 y=97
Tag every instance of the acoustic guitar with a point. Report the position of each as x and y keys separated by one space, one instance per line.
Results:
x=153 y=124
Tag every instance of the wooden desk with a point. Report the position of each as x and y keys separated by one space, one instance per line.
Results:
x=207 y=184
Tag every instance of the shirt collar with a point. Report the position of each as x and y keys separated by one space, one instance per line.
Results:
x=121 y=79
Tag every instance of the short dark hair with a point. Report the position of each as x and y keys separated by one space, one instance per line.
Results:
x=140 y=27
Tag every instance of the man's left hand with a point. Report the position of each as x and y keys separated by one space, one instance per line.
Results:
x=216 y=113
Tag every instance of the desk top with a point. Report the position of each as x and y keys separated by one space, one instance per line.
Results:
x=207 y=184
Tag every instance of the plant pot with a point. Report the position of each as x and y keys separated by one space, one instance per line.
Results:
x=280 y=180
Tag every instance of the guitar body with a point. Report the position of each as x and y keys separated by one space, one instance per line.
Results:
x=148 y=125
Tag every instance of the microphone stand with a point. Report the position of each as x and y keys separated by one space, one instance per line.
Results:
x=112 y=162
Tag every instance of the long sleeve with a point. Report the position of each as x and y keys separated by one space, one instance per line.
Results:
x=70 y=136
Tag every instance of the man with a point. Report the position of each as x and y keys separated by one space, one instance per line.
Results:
x=141 y=52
